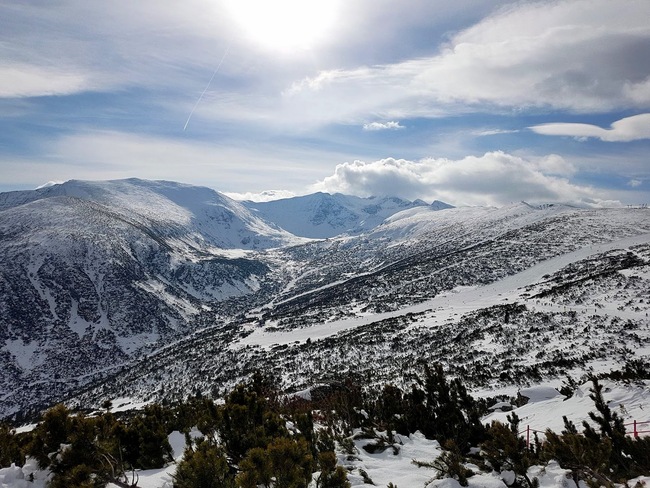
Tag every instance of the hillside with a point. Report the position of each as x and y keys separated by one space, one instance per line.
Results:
x=503 y=297
x=92 y=274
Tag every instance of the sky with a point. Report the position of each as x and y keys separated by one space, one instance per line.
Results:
x=472 y=102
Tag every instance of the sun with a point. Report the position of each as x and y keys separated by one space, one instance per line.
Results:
x=284 y=25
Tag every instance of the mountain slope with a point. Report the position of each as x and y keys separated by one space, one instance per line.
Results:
x=419 y=253
x=504 y=297
x=92 y=273
x=115 y=287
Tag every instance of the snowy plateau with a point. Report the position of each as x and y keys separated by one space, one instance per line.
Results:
x=139 y=291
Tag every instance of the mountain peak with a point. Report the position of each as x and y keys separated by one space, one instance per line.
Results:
x=193 y=213
x=323 y=215
x=438 y=205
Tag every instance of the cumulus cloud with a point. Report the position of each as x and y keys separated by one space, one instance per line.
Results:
x=624 y=130
x=553 y=164
x=373 y=126
x=578 y=55
x=496 y=178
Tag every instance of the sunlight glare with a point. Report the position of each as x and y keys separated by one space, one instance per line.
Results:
x=284 y=25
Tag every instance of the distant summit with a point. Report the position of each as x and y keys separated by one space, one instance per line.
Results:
x=438 y=205
x=321 y=215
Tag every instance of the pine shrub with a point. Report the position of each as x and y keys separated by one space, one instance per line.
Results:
x=204 y=466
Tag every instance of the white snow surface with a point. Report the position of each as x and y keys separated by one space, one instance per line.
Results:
x=453 y=304
x=546 y=407
x=21 y=477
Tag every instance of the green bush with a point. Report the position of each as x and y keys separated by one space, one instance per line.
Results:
x=504 y=450
x=205 y=466
x=9 y=447
x=443 y=410
x=247 y=422
x=286 y=461
x=331 y=475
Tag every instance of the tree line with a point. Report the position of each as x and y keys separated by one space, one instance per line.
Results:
x=259 y=436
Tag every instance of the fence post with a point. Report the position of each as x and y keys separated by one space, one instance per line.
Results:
x=528 y=436
x=636 y=432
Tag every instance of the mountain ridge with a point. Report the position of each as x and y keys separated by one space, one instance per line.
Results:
x=323 y=215
x=113 y=286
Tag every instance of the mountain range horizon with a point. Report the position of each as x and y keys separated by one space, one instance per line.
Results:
x=109 y=283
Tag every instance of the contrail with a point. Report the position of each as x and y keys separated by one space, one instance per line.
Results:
x=225 y=53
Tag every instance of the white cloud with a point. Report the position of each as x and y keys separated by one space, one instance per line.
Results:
x=374 y=126
x=231 y=167
x=580 y=55
x=553 y=164
x=78 y=46
x=494 y=132
x=49 y=183
x=634 y=183
x=496 y=178
x=624 y=130
x=23 y=80
x=577 y=55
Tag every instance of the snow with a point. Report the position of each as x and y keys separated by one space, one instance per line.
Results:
x=24 y=353
x=452 y=304
x=545 y=409
x=539 y=393
x=501 y=405
x=384 y=468
x=322 y=216
x=124 y=404
x=204 y=216
x=200 y=212
x=27 y=476
x=134 y=342
x=552 y=475
x=163 y=477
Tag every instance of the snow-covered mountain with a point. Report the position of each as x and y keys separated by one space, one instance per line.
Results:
x=93 y=272
x=194 y=216
x=157 y=290
x=322 y=215
x=504 y=297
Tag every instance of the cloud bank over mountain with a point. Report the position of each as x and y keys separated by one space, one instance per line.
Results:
x=497 y=178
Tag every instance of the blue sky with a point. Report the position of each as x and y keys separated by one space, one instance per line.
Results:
x=473 y=102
